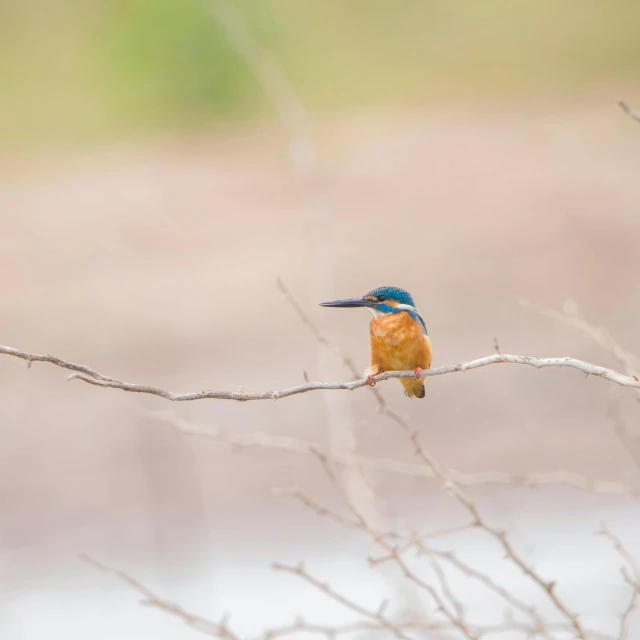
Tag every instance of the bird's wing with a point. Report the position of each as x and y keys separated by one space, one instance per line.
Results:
x=422 y=324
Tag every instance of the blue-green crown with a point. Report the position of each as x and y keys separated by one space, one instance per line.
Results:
x=393 y=293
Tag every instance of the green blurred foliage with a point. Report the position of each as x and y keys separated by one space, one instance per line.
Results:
x=76 y=70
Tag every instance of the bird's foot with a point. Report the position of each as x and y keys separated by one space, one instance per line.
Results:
x=418 y=371
x=369 y=372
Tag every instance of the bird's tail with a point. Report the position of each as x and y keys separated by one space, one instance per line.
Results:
x=414 y=387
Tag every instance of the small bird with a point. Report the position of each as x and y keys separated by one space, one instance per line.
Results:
x=398 y=338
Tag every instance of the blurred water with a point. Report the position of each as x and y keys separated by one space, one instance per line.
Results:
x=63 y=598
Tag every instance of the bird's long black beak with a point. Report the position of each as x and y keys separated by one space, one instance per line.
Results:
x=349 y=302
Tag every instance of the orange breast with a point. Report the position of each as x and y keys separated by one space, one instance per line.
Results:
x=398 y=343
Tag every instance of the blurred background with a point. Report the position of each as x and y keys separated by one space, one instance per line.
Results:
x=151 y=193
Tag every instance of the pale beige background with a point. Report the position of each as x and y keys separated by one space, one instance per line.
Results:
x=156 y=262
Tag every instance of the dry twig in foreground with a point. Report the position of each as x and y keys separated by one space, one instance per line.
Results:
x=377 y=616
x=629 y=361
x=208 y=627
x=394 y=553
x=500 y=536
x=297 y=445
x=633 y=582
x=370 y=621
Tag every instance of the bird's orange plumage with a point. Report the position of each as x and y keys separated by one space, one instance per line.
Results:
x=397 y=344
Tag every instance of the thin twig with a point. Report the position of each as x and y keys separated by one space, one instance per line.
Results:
x=394 y=554
x=629 y=361
x=533 y=480
x=301 y=625
x=440 y=533
x=93 y=377
x=630 y=608
x=314 y=505
x=379 y=538
x=59 y=362
x=500 y=536
x=208 y=627
x=634 y=582
x=345 y=602
x=373 y=622
x=221 y=629
x=485 y=579
x=287 y=443
x=446 y=589
x=376 y=621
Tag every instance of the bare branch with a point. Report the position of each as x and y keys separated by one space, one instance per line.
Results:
x=374 y=620
x=629 y=361
x=533 y=480
x=208 y=627
x=97 y=379
x=59 y=362
x=297 y=445
x=500 y=536
x=376 y=616
x=471 y=572
x=455 y=617
x=311 y=326
x=634 y=582
x=630 y=608
x=314 y=505
x=446 y=589
x=632 y=113
x=330 y=632
x=439 y=533
x=539 y=627
x=379 y=538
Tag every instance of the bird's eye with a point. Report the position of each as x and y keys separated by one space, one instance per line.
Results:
x=382 y=298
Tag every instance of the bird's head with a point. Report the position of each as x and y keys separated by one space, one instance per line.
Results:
x=381 y=301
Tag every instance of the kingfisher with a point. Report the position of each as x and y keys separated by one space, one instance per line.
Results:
x=398 y=339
